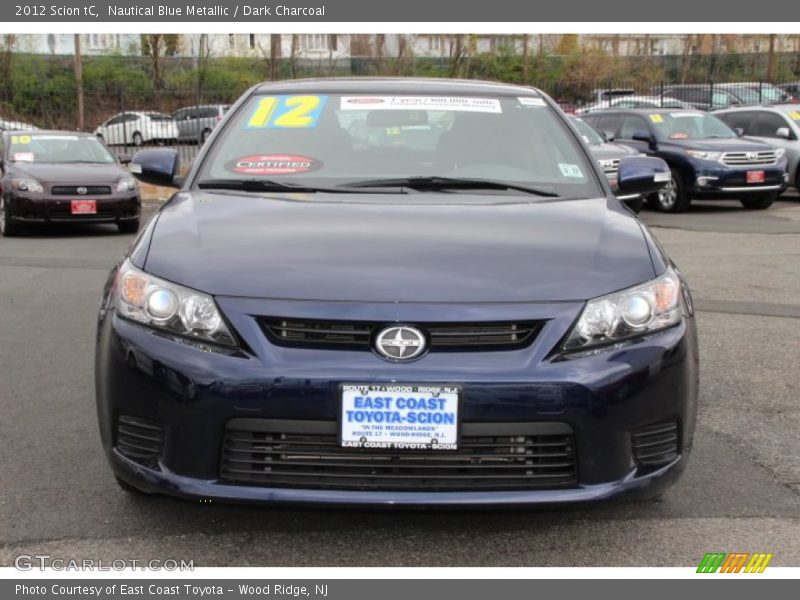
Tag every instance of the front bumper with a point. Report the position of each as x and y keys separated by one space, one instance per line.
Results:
x=713 y=180
x=194 y=394
x=43 y=208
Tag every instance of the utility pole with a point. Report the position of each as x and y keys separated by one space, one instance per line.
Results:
x=79 y=79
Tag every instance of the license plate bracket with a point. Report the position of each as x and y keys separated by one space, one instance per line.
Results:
x=83 y=207
x=415 y=417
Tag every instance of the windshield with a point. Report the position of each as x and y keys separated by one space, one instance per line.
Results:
x=338 y=139
x=588 y=133
x=770 y=93
x=746 y=95
x=158 y=116
x=52 y=148
x=688 y=125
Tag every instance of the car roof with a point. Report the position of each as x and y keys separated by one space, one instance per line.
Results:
x=397 y=85
x=647 y=111
x=777 y=107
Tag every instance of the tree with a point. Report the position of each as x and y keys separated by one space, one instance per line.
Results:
x=568 y=44
x=155 y=45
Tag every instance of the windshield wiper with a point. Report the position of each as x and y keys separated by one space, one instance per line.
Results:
x=434 y=182
x=264 y=185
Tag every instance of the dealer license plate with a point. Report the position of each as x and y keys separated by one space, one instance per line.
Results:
x=84 y=207
x=755 y=177
x=401 y=417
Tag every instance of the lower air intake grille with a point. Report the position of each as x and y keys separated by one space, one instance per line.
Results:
x=140 y=440
x=442 y=336
x=655 y=445
x=307 y=455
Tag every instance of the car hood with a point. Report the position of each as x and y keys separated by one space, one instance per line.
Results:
x=723 y=145
x=77 y=173
x=612 y=150
x=394 y=248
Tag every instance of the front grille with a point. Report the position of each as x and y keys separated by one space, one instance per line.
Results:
x=749 y=159
x=140 y=440
x=609 y=165
x=655 y=445
x=441 y=336
x=72 y=190
x=307 y=455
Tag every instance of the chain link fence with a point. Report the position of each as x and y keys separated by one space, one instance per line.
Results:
x=127 y=105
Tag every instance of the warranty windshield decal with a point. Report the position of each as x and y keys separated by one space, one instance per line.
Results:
x=273 y=164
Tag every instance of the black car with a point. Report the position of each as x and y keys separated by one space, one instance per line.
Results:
x=707 y=158
x=608 y=155
x=63 y=177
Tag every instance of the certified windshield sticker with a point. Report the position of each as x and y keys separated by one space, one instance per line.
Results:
x=447 y=103
x=22 y=140
x=273 y=164
x=794 y=115
x=286 y=112
x=570 y=170
x=656 y=118
x=529 y=101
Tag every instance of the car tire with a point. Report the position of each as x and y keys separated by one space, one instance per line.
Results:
x=7 y=227
x=128 y=226
x=635 y=205
x=672 y=198
x=137 y=139
x=204 y=135
x=759 y=202
x=130 y=489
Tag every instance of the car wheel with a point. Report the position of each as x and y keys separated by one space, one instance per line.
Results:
x=137 y=139
x=128 y=226
x=759 y=202
x=204 y=135
x=672 y=197
x=7 y=227
x=635 y=205
x=129 y=489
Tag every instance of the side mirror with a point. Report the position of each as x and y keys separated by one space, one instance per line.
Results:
x=157 y=166
x=644 y=136
x=738 y=131
x=783 y=132
x=642 y=175
x=124 y=159
x=609 y=136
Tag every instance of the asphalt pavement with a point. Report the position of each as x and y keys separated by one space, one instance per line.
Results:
x=741 y=490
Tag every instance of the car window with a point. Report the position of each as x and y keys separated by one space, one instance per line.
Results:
x=334 y=139
x=768 y=123
x=604 y=122
x=688 y=125
x=58 y=148
x=632 y=124
x=179 y=115
x=588 y=133
x=739 y=120
x=131 y=118
x=115 y=120
x=209 y=112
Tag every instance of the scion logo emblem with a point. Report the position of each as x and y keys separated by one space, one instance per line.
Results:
x=81 y=190
x=400 y=343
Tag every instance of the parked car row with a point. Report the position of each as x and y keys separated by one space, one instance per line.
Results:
x=136 y=128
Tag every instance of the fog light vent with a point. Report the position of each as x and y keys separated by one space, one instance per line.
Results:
x=141 y=440
x=655 y=445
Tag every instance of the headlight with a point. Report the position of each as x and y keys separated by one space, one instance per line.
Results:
x=171 y=307
x=27 y=185
x=779 y=152
x=702 y=155
x=126 y=185
x=638 y=310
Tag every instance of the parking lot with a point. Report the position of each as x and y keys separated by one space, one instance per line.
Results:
x=741 y=491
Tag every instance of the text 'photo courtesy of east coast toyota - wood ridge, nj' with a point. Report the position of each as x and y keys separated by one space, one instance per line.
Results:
x=285 y=286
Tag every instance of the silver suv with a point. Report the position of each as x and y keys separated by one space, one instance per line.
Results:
x=195 y=123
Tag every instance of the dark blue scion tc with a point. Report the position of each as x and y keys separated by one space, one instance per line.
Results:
x=396 y=292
